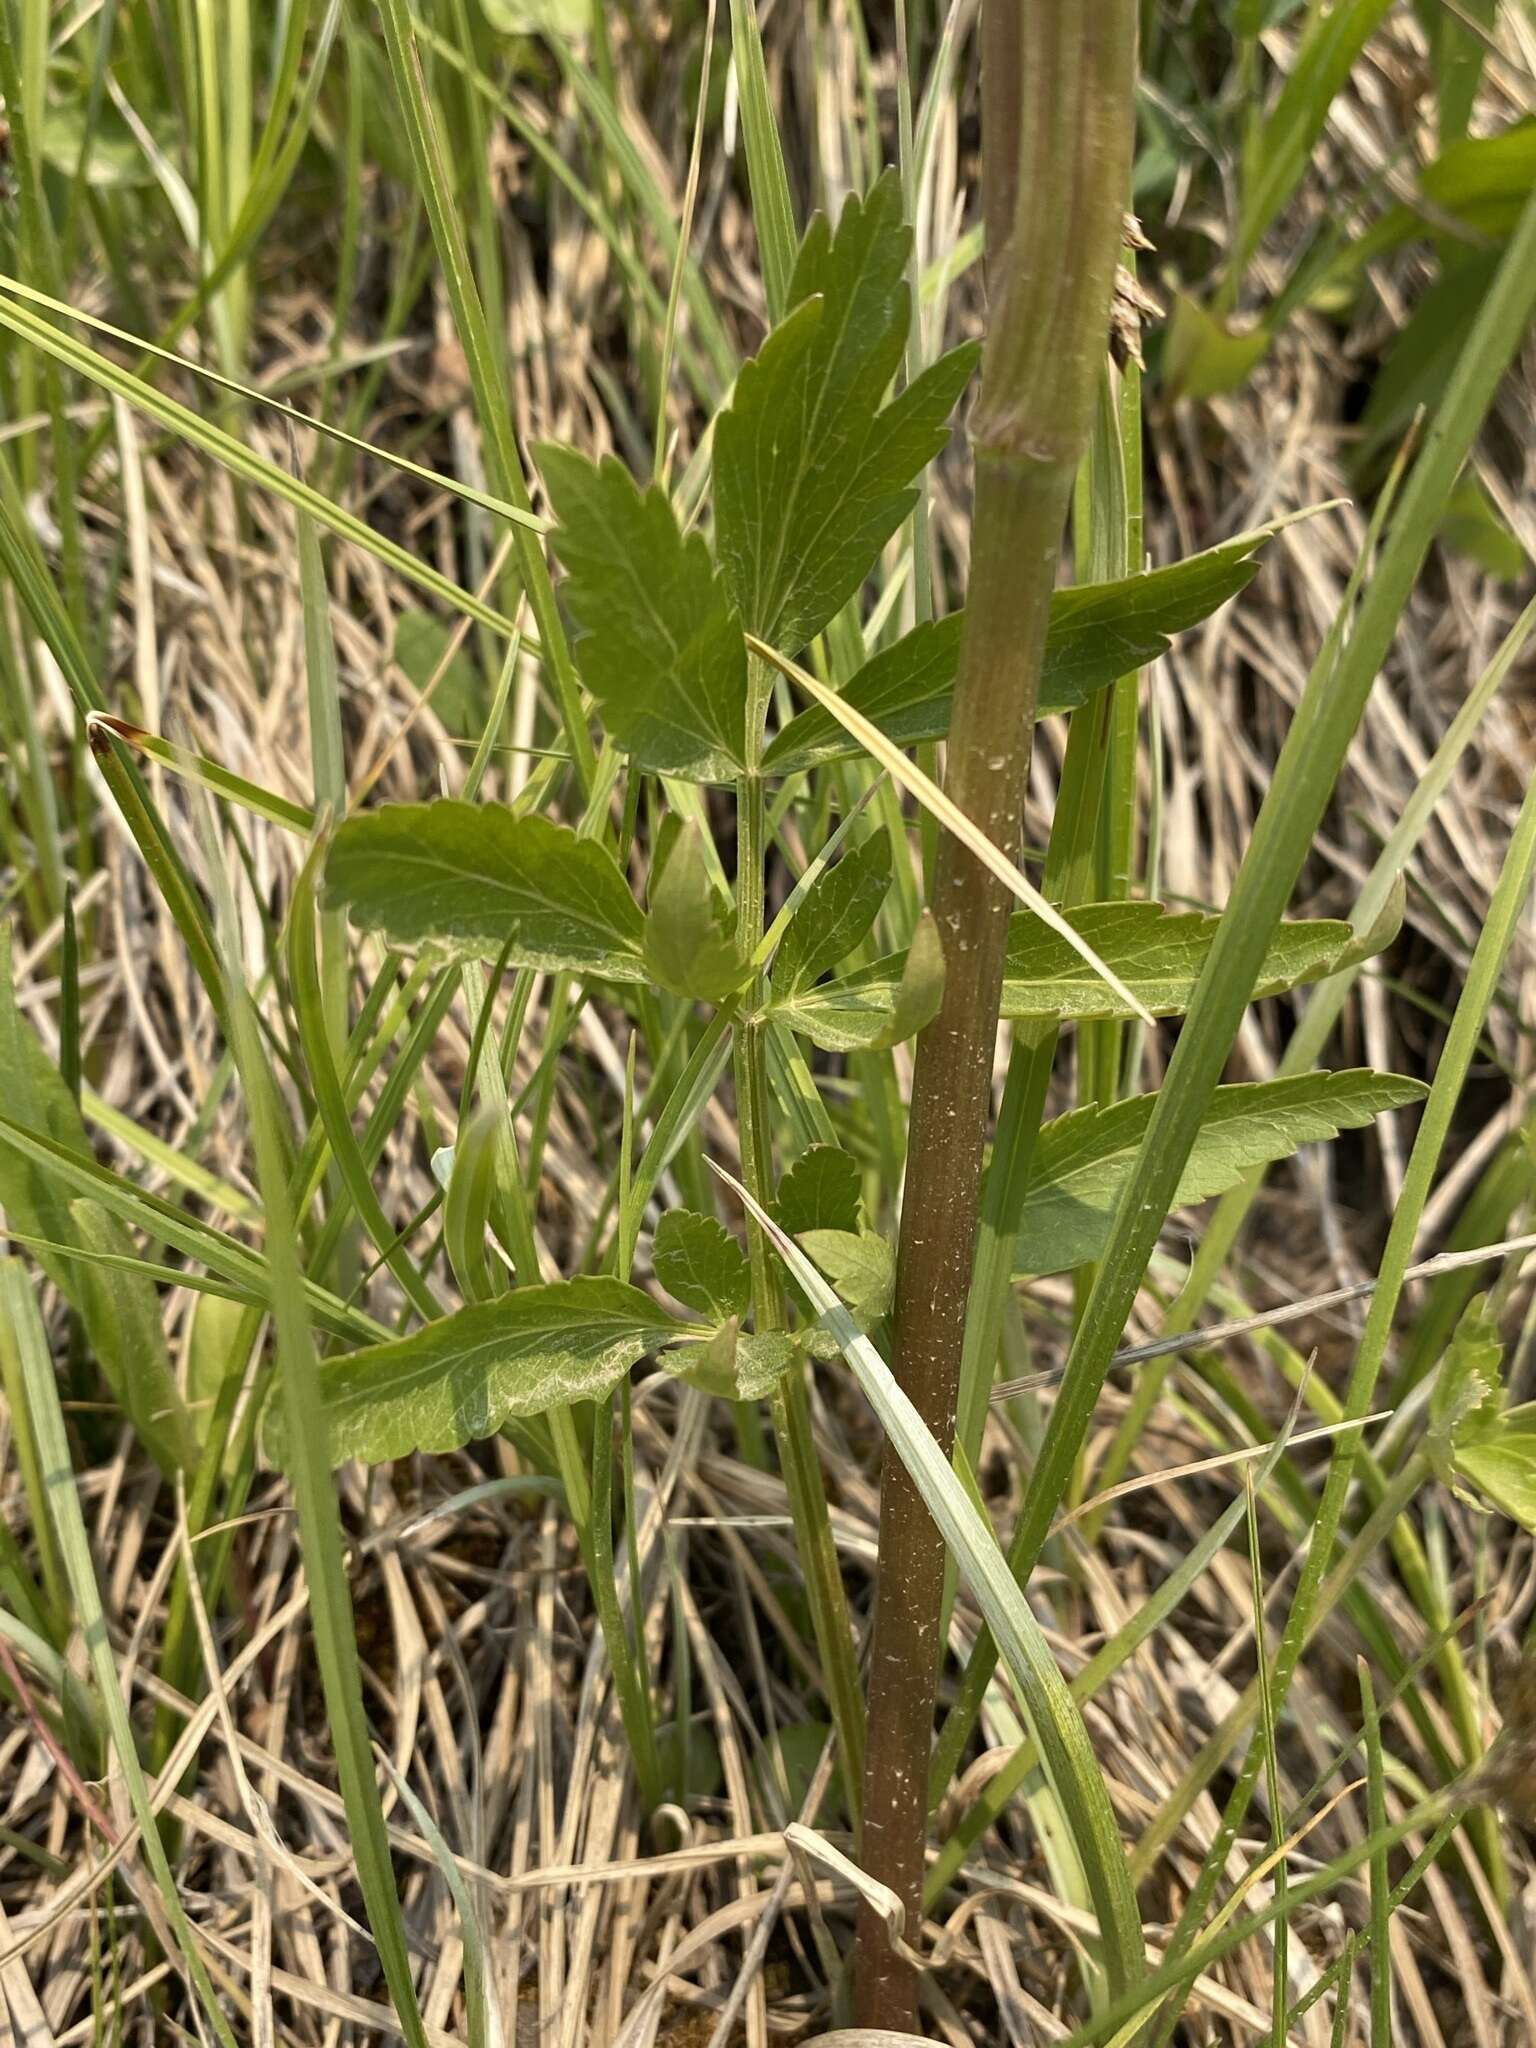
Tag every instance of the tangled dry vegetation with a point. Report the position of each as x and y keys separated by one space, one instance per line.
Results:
x=487 y=1679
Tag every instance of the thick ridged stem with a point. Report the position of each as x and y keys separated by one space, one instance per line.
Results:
x=1069 y=71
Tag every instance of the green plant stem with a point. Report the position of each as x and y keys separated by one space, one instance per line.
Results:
x=1072 y=73
x=791 y=1405
x=597 y=1543
x=1376 y=1821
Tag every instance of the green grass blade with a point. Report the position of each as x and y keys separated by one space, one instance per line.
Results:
x=240 y=460
x=773 y=210
x=491 y=398
x=19 y=1310
x=320 y=1531
x=1381 y=1884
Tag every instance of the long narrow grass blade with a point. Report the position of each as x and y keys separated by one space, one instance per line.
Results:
x=773 y=210
x=253 y=394
x=19 y=1310
x=491 y=398
x=320 y=1532
x=240 y=460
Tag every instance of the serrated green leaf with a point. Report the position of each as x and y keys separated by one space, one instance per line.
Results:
x=690 y=933
x=469 y=877
x=836 y=915
x=1502 y=1465
x=696 y=1259
x=1083 y=1160
x=819 y=1192
x=1468 y=1389
x=461 y=1378
x=878 y=1006
x=735 y=1364
x=1098 y=633
x=860 y=1264
x=660 y=646
x=1158 y=954
x=812 y=476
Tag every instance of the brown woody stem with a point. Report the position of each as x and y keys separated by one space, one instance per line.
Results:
x=1065 y=70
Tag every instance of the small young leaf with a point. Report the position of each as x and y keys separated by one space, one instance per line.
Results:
x=212 y=1327
x=1474 y=527
x=690 y=935
x=1083 y=1160
x=877 y=1006
x=860 y=1265
x=736 y=1364
x=660 y=645
x=1468 y=1394
x=1202 y=358
x=1501 y=1464
x=792 y=1759
x=812 y=477
x=1098 y=633
x=835 y=917
x=471 y=1190
x=472 y=876
x=819 y=1192
x=461 y=1378
x=696 y=1259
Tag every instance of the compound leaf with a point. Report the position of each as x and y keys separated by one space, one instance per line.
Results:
x=812 y=476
